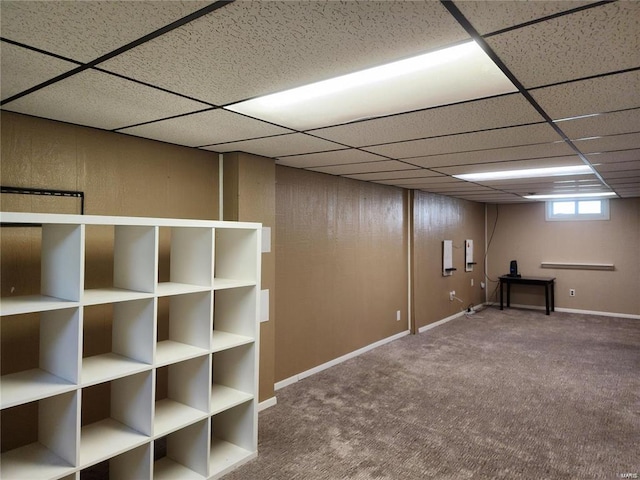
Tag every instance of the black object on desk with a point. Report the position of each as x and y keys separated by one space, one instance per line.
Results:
x=547 y=282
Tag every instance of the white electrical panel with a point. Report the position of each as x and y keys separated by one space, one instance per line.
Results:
x=468 y=256
x=447 y=258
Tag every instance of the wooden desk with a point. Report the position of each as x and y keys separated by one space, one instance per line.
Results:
x=547 y=282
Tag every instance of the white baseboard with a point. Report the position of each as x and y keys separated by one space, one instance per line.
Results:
x=448 y=319
x=269 y=402
x=575 y=310
x=336 y=361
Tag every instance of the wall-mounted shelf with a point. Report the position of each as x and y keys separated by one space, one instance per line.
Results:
x=578 y=266
x=178 y=368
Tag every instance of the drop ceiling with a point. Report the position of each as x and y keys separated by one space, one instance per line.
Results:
x=166 y=70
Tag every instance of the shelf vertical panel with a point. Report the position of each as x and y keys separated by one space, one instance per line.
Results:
x=135 y=464
x=60 y=351
x=191 y=259
x=62 y=261
x=135 y=258
x=58 y=425
x=133 y=329
x=132 y=402
x=191 y=318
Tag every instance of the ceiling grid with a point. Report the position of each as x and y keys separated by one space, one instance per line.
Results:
x=172 y=71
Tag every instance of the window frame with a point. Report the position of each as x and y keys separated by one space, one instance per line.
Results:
x=576 y=216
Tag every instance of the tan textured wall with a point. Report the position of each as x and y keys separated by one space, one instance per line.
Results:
x=342 y=267
x=521 y=233
x=120 y=175
x=250 y=196
x=438 y=218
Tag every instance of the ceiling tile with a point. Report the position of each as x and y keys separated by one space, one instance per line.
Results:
x=612 y=167
x=321 y=159
x=622 y=174
x=626 y=121
x=495 y=15
x=22 y=68
x=544 y=150
x=609 y=143
x=101 y=100
x=395 y=175
x=350 y=169
x=612 y=157
x=597 y=95
x=590 y=42
x=84 y=31
x=502 y=137
x=206 y=128
x=278 y=146
x=253 y=48
x=482 y=114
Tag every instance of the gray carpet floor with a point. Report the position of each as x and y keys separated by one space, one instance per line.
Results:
x=511 y=394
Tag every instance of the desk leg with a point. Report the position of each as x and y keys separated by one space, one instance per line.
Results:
x=508 y=294
x=501 y=283
x=546 y=296
x=553 y=296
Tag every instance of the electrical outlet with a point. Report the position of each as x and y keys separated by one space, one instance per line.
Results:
x=452 y=294
x=572 y=292
x=398 y=315
x=472 y=282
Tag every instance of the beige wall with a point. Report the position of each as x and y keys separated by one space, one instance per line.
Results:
x=438 y=218
x=521 y=233
x=250 y=196
x=342 y=267
x=120 y=175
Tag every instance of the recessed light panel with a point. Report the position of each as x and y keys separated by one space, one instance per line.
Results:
x=559 y=196
x=455 y=74
x=526 y=173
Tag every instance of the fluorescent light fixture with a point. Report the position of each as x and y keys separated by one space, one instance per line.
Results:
x=526 y=173
x=455 y=74
x=568 y=196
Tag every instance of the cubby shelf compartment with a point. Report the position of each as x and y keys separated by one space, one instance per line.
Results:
x=233 y=378
x=61 y=263
x=53 y=453
x=57 y=361
x=233 y=440
x=133 y=464
x=182 y=328
x=186 y=455
x=141 y=333
x=131 y=349
x=182 y=395
x=126 y=425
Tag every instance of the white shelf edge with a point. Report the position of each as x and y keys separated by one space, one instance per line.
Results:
x=31 y=385
x=171 y=416
x=99 y=296
x=33 y=303
x=107 y=438
x=167 y=469
x=224 y=340
x=169 y=351
x=33 y=462
x=225 y=283
x=166 y=289
x=109 y=366
x=225 y=457
x=223 y=398
x=70 y=219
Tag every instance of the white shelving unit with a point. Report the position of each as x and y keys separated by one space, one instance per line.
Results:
x=170 y=390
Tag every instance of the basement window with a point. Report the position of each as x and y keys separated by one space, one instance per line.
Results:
x=587 y=209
